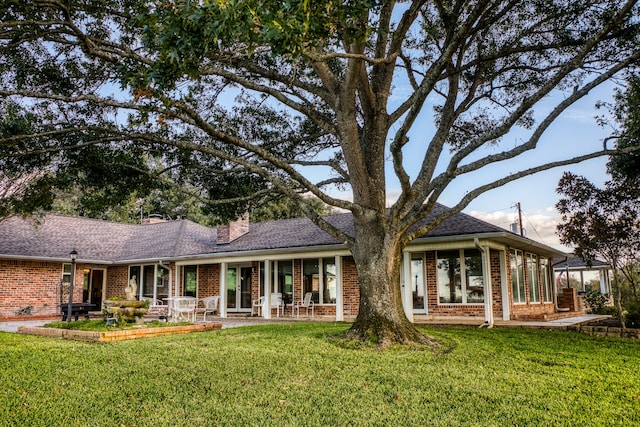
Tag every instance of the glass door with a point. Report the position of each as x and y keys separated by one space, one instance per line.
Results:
x=232 y=286
x=92 y=289
x=239 y=288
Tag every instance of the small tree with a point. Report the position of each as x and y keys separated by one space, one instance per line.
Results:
x=602 y=223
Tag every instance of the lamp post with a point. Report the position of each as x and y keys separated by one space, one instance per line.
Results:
x=73 y=255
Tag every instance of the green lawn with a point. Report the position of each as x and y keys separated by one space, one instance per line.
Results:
x=288 y=375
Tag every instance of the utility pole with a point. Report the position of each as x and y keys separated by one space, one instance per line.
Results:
x=520 y=219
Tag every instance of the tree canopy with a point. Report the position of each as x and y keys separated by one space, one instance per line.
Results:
x=605 y=222
x=602 y=223
x=248 y=98
x=625 y=168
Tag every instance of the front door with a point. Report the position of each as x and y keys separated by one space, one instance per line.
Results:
x=239 y=288
x=93 y=284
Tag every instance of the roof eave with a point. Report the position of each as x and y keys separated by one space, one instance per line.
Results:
x=506 y=238
x=54 y=259
x=264 y=253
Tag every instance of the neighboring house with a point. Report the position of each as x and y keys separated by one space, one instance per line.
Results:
x=464 y=267
x=584 y=276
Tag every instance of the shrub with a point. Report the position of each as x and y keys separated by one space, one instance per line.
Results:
x=632 y=317
x=596 y=301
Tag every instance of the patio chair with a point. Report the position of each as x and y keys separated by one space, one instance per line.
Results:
x=276 y=302
x=306 y=302
x=185 y=306
x=256 y=305
x=210 y=306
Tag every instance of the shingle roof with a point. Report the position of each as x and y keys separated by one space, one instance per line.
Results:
x=578 y=263
x=54 y=236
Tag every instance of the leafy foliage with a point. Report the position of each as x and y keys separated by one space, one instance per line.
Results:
x=601 y=223
x=625 y=168
x=596 y=301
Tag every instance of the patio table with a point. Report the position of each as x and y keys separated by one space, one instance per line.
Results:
x=77 y=309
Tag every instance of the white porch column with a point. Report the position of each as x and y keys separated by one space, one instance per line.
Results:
x=405 y=286
x=504 y=286
x=266 y=308
x=488 y=289
x=223 y=289
x=171 y=279
x=339 y=299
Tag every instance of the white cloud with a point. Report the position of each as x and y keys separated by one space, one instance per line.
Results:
x=538 y=225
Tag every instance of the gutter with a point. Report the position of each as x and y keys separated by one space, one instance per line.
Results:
x=266 y=253
x=514 y=240
x=488 y=295
x=54 y=259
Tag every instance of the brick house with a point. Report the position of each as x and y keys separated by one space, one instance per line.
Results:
x=464 y=267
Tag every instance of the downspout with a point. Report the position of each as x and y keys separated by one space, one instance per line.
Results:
x=488 y=294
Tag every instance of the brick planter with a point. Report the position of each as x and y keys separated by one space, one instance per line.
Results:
x=129 y=334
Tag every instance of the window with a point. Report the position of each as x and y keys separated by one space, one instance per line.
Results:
x=162 y=282
x=546 y=281
x=311 y=278
x=284 y=277
x=534 y=284
x=145 y=287
x=135 y=276
x=151 y=280
x=190 y=280
x=417 y=282
x=517 y=277
x=460 y=277
x=66 y=274
x=328 y=290
x=322 y=287
x=474 y=278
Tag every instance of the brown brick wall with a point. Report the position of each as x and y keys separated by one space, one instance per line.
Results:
x=117 y=279
x=208 y=280
x=36 y=284
x=568 y=298
x=350 y=288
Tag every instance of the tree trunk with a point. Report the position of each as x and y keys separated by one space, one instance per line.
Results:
x=617 y=291
x=381 y=318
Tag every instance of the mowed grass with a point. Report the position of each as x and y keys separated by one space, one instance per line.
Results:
x=289 y=375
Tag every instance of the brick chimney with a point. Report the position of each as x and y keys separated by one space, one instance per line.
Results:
x=152 y=220
x=230 y=232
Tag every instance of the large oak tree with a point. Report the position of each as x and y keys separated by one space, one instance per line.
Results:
x=258 y=95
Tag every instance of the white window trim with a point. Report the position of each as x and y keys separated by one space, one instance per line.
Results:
x=463 y=282
x=516 y=251
x=320 y=280
x=547 y=282
x=66 y=275
x=533 y=267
